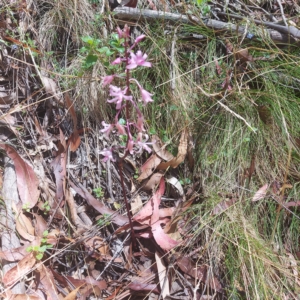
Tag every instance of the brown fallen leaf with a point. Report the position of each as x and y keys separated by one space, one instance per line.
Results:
x=27 y=181
x=24 y=297
x=40 y=225
x=187 y=266
x=261 y=193
x=14 y=254
x=16 y=273
x=46 y=279
x=161 y=238
x=160 y=149
x=136 y=203
x=149 y=167
x=50 y=87
x=73 y=294
x=143 y=287
x=100 y=207
x=153 y=182
x=182 y=151
x=24 y=227
x=74 y=138
x=222 y=206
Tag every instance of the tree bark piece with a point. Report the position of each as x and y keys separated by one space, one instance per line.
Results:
x=9 y=238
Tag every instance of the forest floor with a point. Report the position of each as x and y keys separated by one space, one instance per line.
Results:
x=207 y=207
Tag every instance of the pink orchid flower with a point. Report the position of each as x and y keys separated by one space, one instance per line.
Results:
x=142 y=144
x=120 y=128
x=140 y=123
x=138 y=59
x=118 y=95
x=146 y=96
x=107 y=153
x=107 y=129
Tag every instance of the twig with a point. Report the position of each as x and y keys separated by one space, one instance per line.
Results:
x=282 y=13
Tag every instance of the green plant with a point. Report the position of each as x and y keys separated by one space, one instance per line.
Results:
x=25 y=207
x=39 y=250
x=46 y=207
x=104 y=220
x=185 y=181
x=98 y=192
x=204 y=7
x=94 y=49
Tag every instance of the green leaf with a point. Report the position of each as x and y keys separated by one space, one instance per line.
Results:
x=43 y=248
x=103 y=49
x=45 y=233
x=109 y=52
x=87 y=39
x=90 y=60
x=39 y=256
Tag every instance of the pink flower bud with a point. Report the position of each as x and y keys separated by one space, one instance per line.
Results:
x=107 y=79
x=117 y=61
x=139 y=38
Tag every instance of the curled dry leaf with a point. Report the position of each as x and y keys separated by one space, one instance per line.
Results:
x=24 y=227
x=160 y=149
x=50 y=86
x=176 y=183
x=27 y=180
x=17 y=272
x=153 y=182
x=40 y=225
x=261 y=193
x=19 y=253
x=14 y=254
x=161 y=238
x=149 y=167
x=182 y=150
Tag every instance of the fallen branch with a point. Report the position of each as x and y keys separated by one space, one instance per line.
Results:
x=125 y=14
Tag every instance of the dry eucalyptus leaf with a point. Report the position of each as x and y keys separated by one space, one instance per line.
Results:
x=182 y=150
x=162 y=275
x=153 y=182
x=149 y=167
x=136 y=202
x=160 y=149
x=261 y=193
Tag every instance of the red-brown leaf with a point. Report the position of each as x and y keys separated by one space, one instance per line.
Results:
x=182 y=150
x=27 y=181
x=17 y=272
x=149 y=167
